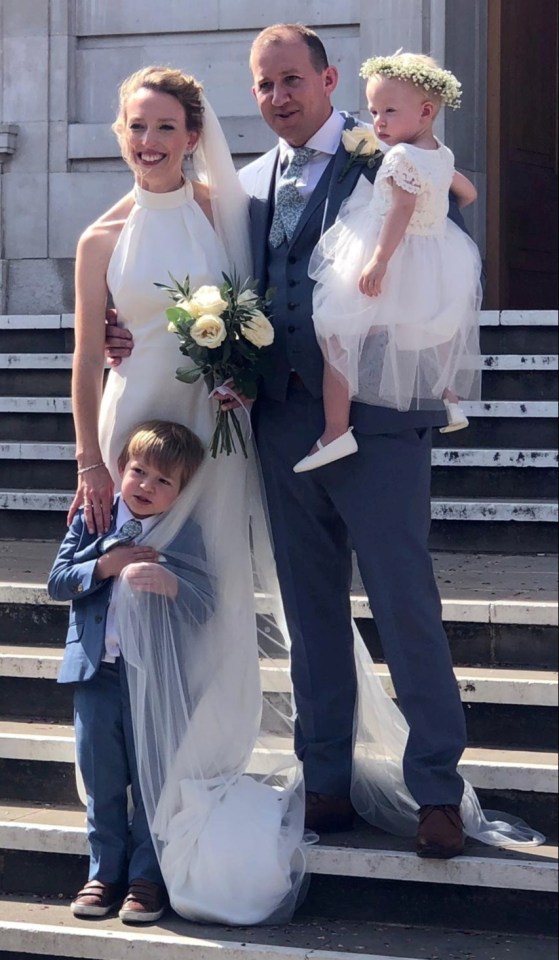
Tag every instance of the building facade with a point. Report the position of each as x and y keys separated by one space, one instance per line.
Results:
x=61 y=62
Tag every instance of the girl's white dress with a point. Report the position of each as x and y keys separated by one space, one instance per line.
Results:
x=420 y=335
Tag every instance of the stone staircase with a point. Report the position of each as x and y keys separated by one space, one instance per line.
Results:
x=494 y=551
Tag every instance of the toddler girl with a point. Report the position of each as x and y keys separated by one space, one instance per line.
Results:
x=396 y=303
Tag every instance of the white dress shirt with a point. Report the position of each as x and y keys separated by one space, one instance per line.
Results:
x=112 y=645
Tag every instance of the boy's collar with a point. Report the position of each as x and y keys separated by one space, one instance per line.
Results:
x=123 y=513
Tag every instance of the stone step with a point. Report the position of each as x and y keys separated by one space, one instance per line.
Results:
x=494 y=424
x=464 y=524
x=501 y=459
x=63 y=361
x=477 y=685
x=530 y=474
x=505 y=376
x=488 y=318
x=365 y=852
x=508 y=709
x=48 y=929
x=496 y=385
x=498 y=610
x=519 y=459
x=450 y=508
x=525 y=771
x=37 y=759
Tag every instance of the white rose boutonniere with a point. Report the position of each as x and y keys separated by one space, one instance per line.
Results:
x=362 y=145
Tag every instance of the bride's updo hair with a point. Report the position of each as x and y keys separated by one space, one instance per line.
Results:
x=184 y=88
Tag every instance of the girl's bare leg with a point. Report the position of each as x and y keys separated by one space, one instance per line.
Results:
x=336 y=406
x=337 y=440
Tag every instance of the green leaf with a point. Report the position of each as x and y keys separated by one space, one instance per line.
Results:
x=239 y=432
x=188 y=374
x=175 y=314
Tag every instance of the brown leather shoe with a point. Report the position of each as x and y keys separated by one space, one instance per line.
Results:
x=325 y=814
x=145 y=902
x=97 y=899
x=440 y=833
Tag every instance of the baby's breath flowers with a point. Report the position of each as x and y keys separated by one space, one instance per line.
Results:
x=420 y=70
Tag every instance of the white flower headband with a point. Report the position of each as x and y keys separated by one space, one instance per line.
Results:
x=421 y=74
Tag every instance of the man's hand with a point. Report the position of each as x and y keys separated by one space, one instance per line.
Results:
x=112 y=564
x=232 y=403
x=119 y=342
x=152 y=578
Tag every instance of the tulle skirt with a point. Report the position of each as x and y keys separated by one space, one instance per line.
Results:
x=403 y=348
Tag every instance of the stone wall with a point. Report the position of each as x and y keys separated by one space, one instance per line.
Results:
x=61 y=62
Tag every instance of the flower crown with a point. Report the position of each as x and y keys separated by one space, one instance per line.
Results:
x=422 y=74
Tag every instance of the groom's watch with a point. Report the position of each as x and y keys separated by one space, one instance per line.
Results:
x=127 y=534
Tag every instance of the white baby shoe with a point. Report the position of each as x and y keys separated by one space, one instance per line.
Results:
x=340 y=447
x=457 y=419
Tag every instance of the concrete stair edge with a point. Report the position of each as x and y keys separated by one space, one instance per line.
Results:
x=515 y=866
x=477 y=685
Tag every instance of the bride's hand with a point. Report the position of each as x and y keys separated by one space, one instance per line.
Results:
x=95 y=491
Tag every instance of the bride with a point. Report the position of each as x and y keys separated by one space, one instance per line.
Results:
x=222 y=788
x=226 y=813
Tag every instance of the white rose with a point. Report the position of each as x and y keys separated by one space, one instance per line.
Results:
x=206 y=300
x=352 y=138
x=184 y=304
x=208 y=331
x=258 y=330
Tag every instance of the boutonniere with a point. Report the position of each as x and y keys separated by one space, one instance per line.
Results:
x=362 y=145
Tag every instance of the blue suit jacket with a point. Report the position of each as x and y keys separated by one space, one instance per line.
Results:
x=292 y=305
x=72 y=578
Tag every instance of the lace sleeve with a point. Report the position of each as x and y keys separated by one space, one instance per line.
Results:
x=399 y=165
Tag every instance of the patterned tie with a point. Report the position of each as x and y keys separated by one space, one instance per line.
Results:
x=126 y=535
x=289 y=202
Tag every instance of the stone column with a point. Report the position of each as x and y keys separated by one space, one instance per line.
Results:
x=8 y=139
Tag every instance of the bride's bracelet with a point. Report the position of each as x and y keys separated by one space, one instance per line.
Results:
x=92 y=466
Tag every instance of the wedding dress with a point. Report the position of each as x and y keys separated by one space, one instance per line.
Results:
x=222 y=788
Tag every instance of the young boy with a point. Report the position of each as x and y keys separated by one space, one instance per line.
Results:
x=157 y=462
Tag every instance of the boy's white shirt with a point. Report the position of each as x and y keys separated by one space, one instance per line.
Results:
x=112 y=645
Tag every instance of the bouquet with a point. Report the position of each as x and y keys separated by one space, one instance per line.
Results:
x=225 y=332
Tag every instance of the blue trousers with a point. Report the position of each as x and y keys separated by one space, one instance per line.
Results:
x=377 y=502
x=119 y=851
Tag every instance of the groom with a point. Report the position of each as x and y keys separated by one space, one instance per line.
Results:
x=376 y=502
